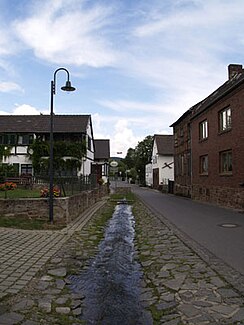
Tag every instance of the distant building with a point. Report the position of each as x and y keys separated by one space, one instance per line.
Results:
x=162 y=160
x=100 y=165
x=209 y=145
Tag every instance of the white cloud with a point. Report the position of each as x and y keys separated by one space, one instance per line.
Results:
x=118 y=130
x=7 y=87
x=60 y=32
x=123 y=138
x=25 y=109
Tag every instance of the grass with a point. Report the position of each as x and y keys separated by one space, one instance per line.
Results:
x=128 y=196
x=27 y=224
x=21 y=193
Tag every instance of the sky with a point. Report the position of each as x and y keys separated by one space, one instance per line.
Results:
x=137 y=65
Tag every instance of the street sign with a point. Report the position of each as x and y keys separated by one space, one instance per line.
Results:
x=114 y=163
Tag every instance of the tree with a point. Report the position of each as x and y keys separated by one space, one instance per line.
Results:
x=129 y=160
x=139 y=157
x=143 y=153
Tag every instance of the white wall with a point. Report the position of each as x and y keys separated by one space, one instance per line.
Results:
x=159 y=161
x=18 y=159
x=165 y=173
x=148 y=175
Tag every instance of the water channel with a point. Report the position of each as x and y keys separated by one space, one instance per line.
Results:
x=111 y=284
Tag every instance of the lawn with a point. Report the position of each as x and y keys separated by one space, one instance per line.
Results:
x=20 y=193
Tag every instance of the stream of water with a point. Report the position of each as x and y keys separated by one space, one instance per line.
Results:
x=111 y=285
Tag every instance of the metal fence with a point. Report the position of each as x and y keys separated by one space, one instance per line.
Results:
x=68 y=185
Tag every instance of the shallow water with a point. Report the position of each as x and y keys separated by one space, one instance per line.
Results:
x=111 y=285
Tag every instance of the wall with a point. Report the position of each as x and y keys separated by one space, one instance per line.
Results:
x=65 y=209
x=182 y=156
x=215 y=187
x=223 y=196
x=148 y=175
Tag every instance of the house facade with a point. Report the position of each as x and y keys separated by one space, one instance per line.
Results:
x=162 y=160
x=216 y=145
x=100 y=166
x=19 y=132
x=149 y=175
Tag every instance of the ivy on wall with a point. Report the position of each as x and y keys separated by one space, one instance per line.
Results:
x=73 y=151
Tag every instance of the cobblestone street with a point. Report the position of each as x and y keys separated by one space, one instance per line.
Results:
x=177 y=286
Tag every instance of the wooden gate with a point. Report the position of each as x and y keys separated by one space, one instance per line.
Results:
x=156 y=178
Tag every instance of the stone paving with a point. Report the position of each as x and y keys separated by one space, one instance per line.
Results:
x=178 y=286
x=24 y=252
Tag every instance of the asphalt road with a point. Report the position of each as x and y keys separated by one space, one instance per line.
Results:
x=202 y=223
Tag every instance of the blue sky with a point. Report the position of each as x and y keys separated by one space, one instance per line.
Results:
x=138 y=65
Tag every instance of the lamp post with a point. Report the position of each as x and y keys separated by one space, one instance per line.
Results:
x=67 y=87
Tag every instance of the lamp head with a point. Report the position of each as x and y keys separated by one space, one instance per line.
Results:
x=68 y=87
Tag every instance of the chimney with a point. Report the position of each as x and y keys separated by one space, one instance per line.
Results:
x=234 y=69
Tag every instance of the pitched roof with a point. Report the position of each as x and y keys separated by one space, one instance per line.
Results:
x=41 y=123
x=219 y=93
x=165 y=144
x=102 y=149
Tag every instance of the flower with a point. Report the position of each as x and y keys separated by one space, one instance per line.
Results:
x=8 y=186
x=45 y=192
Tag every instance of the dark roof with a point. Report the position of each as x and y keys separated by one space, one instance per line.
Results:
x=102 y=149
x=165 y=144
x=214 y=97
x=219 y=93
x=41 y=123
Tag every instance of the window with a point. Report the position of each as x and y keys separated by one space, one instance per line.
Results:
x=225 y=119
x=26 y=169
x=188 y=157
x=204 y=165
x=8 y=139
x=226 y=162
x=25 y=139
x=89 y=142
x=203 y=130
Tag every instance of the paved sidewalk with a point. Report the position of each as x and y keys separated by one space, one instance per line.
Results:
x=24 y=252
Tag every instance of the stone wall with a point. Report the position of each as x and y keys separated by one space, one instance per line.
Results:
x=223 y=196
x=182 y=190
x=66 y=209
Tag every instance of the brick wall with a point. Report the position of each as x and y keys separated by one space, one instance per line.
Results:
x=222 y=189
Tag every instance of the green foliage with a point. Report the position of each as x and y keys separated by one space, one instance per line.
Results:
x=61 y=149
x=129 y=160
x=4 y=151
x=136 y=159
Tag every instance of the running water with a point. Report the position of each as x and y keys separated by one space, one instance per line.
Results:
x=111 y=285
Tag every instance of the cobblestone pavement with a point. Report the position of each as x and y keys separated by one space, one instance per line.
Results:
x=24 y=252
x=178 y=287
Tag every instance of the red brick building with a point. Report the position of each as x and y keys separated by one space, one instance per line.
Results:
x=215 y=130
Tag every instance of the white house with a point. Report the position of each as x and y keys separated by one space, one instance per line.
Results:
x=20 y=131
x=162 y=160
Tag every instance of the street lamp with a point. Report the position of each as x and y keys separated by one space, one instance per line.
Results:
x=67 y=87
